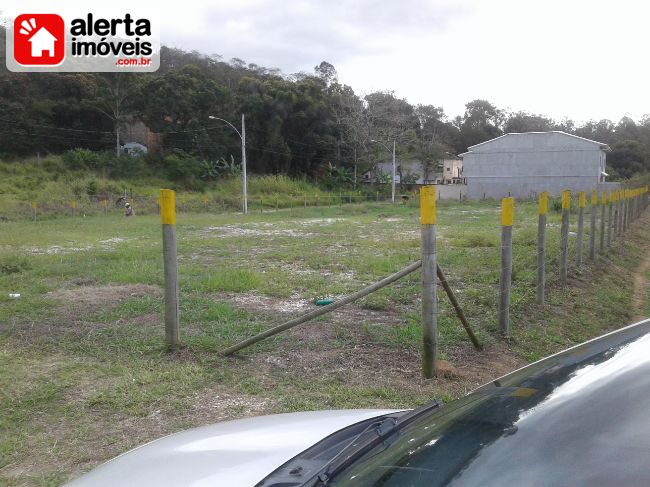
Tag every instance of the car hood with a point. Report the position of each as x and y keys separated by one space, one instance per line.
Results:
x=232 y=453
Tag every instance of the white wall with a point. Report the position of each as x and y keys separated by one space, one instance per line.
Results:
x=524 y=165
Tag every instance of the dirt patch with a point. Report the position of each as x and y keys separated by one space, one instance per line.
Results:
x=219 y=404
x=94 y=297
x=640 y=296
x=229 y=231
x=639 y=279
x=256 y=303
x=341 y=348
x=57 y=249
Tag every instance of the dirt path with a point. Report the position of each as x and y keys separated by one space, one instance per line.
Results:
x=640 y=295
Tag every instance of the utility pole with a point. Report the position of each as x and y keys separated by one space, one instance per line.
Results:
x=243 y=163
x=117 y=140
x=394 y=169
x=242 y=136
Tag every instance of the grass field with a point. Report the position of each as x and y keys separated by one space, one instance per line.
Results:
x=85 y=376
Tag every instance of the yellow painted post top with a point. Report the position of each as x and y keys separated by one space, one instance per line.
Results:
x=542 y=208
x=34 y=204
x=603 y=198
x=507 y=211
x=167 y=207
x=612 y=196
x=566 y=200
x=73 y=204
x=582 y=201
x=594 y=198
x=428 y=205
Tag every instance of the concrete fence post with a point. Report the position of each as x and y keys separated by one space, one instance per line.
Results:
x=542 y=210
x=33 y=210
x=581 y=227
x=507 y=220
x=429 y=291
x=625 y=209
x=592 y=227
x=610 y=216
x=621 y=210
x=564 y=236
x=168 y=217
x=603 y=204
x=73 y=207
x=615 y=222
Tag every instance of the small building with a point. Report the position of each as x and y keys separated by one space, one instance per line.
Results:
x=452 y=171
x=410 y=172
x=525 y=164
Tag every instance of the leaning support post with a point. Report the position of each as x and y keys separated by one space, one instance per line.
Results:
x=457 y=308
x=507 y=220
x=542 y=210
x=564 y=236
x=324 y=310
x=168 y=216
x=592 y=227
x=581 y=227
x=603 y=204
x=429 y=291
x=610 y=216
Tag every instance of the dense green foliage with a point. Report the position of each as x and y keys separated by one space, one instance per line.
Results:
x=300 y=124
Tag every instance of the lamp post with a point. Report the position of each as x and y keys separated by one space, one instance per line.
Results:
x=393 y=178
x=242 y=136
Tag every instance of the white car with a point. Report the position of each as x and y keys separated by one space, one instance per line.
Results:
x=579 y=417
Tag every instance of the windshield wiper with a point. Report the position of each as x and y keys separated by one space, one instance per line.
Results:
x=385 y=432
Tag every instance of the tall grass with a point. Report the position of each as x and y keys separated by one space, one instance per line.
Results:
x=52 y=187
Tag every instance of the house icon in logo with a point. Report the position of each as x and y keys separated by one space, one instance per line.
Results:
x=41 y=42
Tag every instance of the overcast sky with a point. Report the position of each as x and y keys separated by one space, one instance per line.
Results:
x=561 y=58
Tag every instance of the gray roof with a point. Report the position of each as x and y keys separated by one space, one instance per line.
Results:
x=601 y=145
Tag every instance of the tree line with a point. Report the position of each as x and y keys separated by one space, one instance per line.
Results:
x=304 y=124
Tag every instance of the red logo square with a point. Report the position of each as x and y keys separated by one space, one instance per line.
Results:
x=39 y=39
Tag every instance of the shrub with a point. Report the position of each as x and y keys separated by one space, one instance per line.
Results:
x=13 y=264
x=184 y=169
x=76 y=159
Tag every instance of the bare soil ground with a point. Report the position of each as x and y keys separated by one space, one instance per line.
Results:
x=640 y=275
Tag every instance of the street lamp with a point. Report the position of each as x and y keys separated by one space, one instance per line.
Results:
x=242 y=136
x=393 y=178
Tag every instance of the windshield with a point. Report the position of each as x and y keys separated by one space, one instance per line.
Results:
x=578 y=418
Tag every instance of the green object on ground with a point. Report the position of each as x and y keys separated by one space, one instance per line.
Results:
x=324 y=302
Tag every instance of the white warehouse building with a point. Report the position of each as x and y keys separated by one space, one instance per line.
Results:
x=523 y=165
